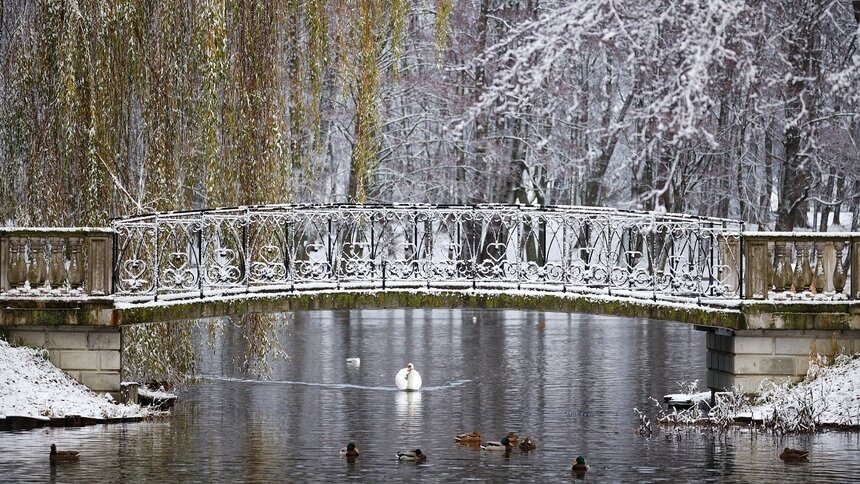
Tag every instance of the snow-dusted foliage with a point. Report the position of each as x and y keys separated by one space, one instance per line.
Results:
x=732 y=108
x=670 y=56
x=663 y=93
x=828 y=396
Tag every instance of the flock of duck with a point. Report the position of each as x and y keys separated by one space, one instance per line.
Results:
x=409 y=379
x=506 y=444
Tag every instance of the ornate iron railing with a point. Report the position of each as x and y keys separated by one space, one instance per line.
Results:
x=307 y=247
x=178 y=255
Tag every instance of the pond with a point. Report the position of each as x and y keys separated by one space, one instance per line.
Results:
x=570 y=381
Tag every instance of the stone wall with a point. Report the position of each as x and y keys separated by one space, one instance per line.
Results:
x=745 y=358
x=91 y=355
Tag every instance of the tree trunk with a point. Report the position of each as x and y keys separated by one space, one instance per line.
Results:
x=480 y=83
x=796 y=173
x=767 y=190
x=826 y=208
x=722 y=206
x=840 y=193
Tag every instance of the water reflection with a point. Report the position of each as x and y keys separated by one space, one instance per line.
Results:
x=407 y=412
x=571 y=385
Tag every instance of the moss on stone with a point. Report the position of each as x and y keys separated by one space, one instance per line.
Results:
x=192 y=309
x=752 y=315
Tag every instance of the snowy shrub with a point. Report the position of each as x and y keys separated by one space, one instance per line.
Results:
x=727 y=406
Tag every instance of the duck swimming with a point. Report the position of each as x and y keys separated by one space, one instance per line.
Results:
x=528 y=445
x=350 y=451
x=579 y=465
x=408 y=378
x=793 y=455
x=471 y=438
x=63 y=455
x=504 y=445
x=412 y=456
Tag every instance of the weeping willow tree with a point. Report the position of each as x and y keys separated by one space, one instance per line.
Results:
x=364 y=87
x=117 y=107
x=167 y=351
x=159 y=351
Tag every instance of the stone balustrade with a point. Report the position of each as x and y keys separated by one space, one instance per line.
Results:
x=55 y=262
x=801 y=266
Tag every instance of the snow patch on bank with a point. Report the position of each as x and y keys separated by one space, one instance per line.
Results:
x=830 y=394
x=30 y=386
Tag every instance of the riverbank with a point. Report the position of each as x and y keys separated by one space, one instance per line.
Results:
x=34 y=392
x=829 y=397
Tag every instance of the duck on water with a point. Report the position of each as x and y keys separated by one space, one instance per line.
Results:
x=63 y=455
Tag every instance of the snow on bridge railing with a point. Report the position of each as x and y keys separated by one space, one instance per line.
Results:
x=307 y=247
x=178 y=255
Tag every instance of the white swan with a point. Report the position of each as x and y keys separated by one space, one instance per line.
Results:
x=408 y=378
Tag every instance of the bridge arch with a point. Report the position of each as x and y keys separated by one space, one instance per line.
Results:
x=223 y=252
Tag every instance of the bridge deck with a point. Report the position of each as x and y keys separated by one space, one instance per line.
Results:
x=223 y=261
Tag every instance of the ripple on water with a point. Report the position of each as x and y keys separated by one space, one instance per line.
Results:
x=571 y=386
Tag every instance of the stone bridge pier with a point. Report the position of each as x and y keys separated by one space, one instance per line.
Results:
x=778 y=342
x=92 y=355
x=746 y=358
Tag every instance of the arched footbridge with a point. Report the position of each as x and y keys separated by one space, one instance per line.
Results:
x=766 y=299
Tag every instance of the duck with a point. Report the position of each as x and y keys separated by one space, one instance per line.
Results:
x=513 y=438
x=350 y=451
x=528 y=445
x=471 y=438
x=793 y=455
x=579 y=465
x=503 y=445
x=412 y=456
x=63 y=455
x=408 y=378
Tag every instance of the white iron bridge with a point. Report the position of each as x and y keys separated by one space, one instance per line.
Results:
x=766 y=299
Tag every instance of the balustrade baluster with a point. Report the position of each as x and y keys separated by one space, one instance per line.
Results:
x=802 y=271
x=854 y=263
x=18 y=263
x=818 y=278
x=771 y=269
x=38 y=269
x=57 y=263
x=783 y=273
x=839 y=270
x=76 y=272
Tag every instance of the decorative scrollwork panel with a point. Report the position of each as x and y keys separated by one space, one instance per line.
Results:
x=295 y=247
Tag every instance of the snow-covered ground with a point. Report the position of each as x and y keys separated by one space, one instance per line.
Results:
x=828 y=395
x=30 y=386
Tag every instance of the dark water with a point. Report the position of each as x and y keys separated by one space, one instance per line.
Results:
x=572 y=386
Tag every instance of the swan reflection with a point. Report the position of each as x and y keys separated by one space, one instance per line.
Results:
x=407 y=409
